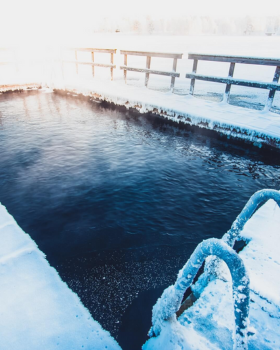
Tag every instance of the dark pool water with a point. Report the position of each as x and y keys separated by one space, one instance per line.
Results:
x=118 y=201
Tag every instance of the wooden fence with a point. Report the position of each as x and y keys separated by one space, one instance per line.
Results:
x=149 y=71
x=229 y=80
x=93 y=63
x=15 y=61
x=272 y=87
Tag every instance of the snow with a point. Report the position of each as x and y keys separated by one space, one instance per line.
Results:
x=44 y=311
x=171 y=299
x=211 y=317
x=239 y=56
x=262 y=258
x=174 y=336
x=38 y=310
x=256 y=126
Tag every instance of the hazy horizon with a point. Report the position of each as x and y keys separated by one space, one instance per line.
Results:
x=56 y=22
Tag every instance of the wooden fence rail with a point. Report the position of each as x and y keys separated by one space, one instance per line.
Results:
x=272 y=87
x=229 y=80
x=93 y=64
x=149 y=71
x=15 y=61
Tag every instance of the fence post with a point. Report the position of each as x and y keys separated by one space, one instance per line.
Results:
x=62 y=62
x=92 y=67
x=173 y=78
x=272 y=92
x=228 y=86
x=195 y=61
x=125 y=64
x=76 y=57
x=16 y=60
x=112 y=62
x=148 y=66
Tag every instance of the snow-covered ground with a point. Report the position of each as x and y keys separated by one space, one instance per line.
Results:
x=38 y=310
x=209 y=323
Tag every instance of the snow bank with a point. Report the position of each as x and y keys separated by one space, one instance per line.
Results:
x=38 y=310
x=261 y=256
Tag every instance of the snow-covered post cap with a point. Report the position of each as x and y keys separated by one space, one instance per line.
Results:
x=169 y=303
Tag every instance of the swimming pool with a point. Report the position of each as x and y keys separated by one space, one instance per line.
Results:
x=117 y=200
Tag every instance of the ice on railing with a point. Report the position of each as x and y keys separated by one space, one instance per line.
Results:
x=38 y=310
x=209 y=323
x=257 y=199
x=214 y=267
x=171 y=299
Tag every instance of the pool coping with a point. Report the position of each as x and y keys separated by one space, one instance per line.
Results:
x=256 y=127
x=259 y=128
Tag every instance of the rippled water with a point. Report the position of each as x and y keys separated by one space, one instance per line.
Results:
x=118 y=201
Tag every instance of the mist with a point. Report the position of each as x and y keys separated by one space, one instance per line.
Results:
x=190 y=25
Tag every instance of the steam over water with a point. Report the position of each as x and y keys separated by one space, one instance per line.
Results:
x=118 y=201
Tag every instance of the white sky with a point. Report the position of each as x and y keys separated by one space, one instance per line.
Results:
x=54 y=16
x=27 y=9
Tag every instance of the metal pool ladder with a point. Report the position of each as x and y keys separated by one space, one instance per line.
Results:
x=171 y=299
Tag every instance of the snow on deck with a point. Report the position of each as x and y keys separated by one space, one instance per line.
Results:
x=42 y=66
x=38 y=310
x=209 y=323
x=253 y=125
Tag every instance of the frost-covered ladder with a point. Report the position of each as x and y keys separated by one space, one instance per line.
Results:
x=171 y=300
x=172 y=297
x=258 y=199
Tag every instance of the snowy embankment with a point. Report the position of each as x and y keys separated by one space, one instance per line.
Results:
x=259 y=127
x=38 y=310
x=209 y=322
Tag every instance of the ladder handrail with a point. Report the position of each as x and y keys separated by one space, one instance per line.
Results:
x=211 y=269
x=169 y=303
x=257 y=200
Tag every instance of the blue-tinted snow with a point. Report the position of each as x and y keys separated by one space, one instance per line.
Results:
x=38 y=310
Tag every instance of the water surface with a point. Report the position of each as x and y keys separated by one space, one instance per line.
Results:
x=118 y=201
